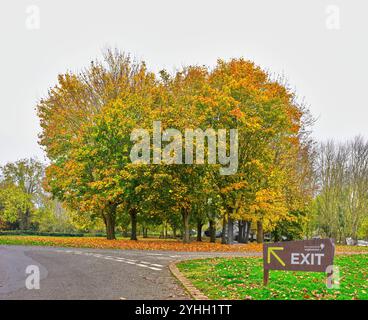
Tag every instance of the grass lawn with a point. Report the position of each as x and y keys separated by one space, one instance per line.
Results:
x=242 y=278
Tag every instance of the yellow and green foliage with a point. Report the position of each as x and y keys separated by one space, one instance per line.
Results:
x=87 y=119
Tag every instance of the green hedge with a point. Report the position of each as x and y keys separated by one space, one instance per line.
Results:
x=64 y=234
x=37 y=233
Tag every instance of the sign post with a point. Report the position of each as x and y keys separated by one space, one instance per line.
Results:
x=308 y=255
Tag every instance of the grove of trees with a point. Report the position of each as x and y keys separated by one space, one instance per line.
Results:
x=87 y=119
x=284 y=185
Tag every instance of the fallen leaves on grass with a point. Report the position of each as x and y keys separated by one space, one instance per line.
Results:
x=146 y=244
x=154 y=244
x=351 y=249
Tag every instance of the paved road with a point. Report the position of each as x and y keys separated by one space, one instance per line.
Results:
x=68 y=273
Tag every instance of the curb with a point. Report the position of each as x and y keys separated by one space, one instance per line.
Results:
x=192 y=290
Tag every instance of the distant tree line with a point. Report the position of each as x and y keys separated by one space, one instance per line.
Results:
x=340 y=208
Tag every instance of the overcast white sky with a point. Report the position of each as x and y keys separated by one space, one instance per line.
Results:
x=328 y=67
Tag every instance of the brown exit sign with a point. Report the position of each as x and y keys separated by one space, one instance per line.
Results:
x=307 y=255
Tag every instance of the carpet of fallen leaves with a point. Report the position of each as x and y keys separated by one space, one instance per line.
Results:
x=144 y=244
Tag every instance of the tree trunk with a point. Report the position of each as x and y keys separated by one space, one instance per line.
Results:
x=223 y=236
x=24 y=219
x=109 y=219
x=133 y=221
x=230 y=231
x=248 y=224
x=165 y=228
x=212 y=231
x=186 y=235
x=27 y=218
x=259 y=232
x=242 y=231
x=199 y=231
x=21 y=220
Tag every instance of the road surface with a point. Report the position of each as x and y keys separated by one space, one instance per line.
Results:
x=95 y=274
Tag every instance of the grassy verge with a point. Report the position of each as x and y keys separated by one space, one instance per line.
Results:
x=241 y=278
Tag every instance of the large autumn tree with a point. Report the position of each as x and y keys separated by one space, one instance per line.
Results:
x=272 y=138
x=87 y=119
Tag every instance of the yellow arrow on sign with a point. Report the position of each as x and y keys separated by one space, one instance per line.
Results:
x=271 y=250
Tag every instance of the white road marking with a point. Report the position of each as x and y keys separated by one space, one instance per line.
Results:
x=156 y=265
x=152 y=264
x=164 y=258
x=120 y=258
x=153 y=268
x=142 y=264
